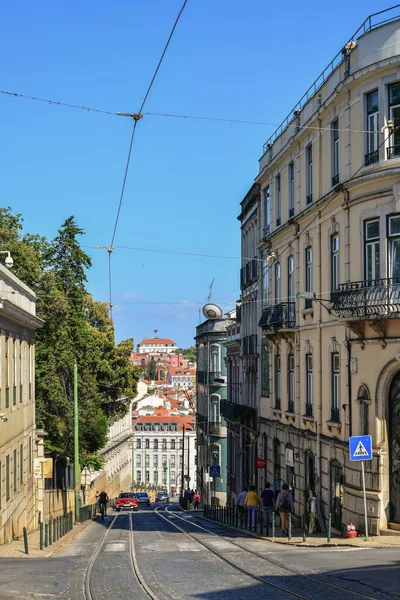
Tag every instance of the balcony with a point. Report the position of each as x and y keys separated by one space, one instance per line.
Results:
x=214 y=428
x=375 y=299
x=249 y=345
x=248 y=273
x=393 y=151
x=239 y=413
x=207 y=377
x=371 y=158
x=280 y=316
x=335 y=180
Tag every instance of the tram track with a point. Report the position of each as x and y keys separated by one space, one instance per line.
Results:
x=317 y=580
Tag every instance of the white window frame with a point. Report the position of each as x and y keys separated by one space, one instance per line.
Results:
x=215 y=408
x=267 y=211
x=309 y=379
x=290 y=392
x=309 y=174
x=291 y=188
x=371 y=252
x=215 y=358
x=335 y=144
x=334 y=262
x=278 y=189
x=277 y=283
x=372 y=125
x=290 y=267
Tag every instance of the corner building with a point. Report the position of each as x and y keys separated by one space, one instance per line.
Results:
x=329 y=184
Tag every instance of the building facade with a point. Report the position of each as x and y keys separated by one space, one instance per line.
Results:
x=18 y=440
x=329 y=182
x=156 y=346
x=211 y=394
x=179 y=377
x=164 y=447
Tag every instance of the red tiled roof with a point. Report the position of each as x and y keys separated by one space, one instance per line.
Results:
x=179 y=371
x=154 y=341
x=186 y=420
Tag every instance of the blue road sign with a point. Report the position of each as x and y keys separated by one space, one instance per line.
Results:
x=215 y=471
x=360 y=447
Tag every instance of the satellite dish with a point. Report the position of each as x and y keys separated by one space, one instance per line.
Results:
x=212 y=311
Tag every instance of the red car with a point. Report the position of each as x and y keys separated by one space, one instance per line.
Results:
x=127 y=500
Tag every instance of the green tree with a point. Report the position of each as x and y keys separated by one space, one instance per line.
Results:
x=187 y=353
x=150 y=369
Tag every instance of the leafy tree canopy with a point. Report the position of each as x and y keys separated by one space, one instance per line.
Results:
x=188 y=353
x=77 y=327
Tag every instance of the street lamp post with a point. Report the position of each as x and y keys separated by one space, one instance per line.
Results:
x=77 y=470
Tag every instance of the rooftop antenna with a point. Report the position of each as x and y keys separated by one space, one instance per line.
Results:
x=210 y=294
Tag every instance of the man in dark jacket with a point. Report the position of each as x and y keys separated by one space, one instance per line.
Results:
x=285 y=505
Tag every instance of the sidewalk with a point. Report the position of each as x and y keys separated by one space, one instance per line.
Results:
x=315 y=540
x=15 y=548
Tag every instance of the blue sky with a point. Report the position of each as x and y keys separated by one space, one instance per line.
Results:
x=228 y=59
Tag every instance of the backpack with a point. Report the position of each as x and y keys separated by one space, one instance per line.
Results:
x=285 y=505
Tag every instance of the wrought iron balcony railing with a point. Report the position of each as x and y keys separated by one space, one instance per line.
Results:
x=309 y=199
x=393 y=151
x=280 y=316
x=335 y=180
x=371 y=158
x=377 y=298
x=214 y=428
x=267 y=230
x=239 y=413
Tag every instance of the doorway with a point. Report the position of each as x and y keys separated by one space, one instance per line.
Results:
x=336 y=494
x=394 y=447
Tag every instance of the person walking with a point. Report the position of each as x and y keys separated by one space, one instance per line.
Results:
x=196 y=500
x=252 y=503
x=267 y=497
x=241 y=497
x=285 y=505
x=103 y=499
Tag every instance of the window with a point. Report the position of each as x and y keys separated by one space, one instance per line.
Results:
x=180 y=444
x=334 y=262
x=335 y=416
x=335 y=151
x=277 y=381
x=290 y=279
x=214 y=409
x=138 y=460
x=155 y=445
x=172 y=461
x=15 y=472
x=394 y=248
x=291 y=189
x=180 y=461
x=265 y=278
x=139 y=444
x=147 y=460
x=30 y=455
x=309 y=281
x=172 y=444
x=309 y=386
x=21 y=464
x=309 y=174
x=277 y=283
x=7 y=478
x=164 y=444
x=20 y=370
x=278 y=199
x=372 y=155
x=364 y=399
x=290 y=383
x=30 y=370
x=265 y=358
x=7 y=343
x=394 y=116
x=139 y=476
x=147 y=476
x=147 y=443
x=164 y=461
x=155 y=460
x=14 y=371
x=172 y=477
x=215 y=454
x=267 y=211
x=372 y=251
x=214 y=359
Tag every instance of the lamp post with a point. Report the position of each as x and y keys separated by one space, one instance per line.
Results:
x=77 y=470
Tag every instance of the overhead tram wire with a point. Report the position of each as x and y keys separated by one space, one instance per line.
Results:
x=136 y=117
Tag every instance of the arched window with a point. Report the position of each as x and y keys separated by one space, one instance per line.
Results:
x=215 y=408
x=215 y=359
x=364 y=399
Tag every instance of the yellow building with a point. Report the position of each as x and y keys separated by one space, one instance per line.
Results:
x=18 y=443
x=329 y=225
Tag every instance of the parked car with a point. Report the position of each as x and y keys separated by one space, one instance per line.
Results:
x=143 y=498
x=127 y=500
x=162 y=497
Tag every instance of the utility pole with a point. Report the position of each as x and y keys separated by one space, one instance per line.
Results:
x=133 y=465
x=77 y=469
x=183 y=461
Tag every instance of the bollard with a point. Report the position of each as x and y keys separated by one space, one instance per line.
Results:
x=273 y=523
x=46 y=535
x=290 y=527
x=25 y=540
x=329 y=527
x=41 y=535
x=50 y=532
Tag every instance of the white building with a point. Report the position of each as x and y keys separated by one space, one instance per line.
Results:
x=181 y=377
x=156 y=346
x=160 y=446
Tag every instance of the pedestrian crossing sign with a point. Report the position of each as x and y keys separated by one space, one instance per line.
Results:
x=215 y=471
x=360 y=447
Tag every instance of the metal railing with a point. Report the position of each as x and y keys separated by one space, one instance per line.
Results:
x=393 y=151
x=379 y=298
x=335 y=180
x=238 y=517
x=309 y=199
x=279 y=316
x=372 y=158
x=370 y=23
x=214 y=428
x=267 y=230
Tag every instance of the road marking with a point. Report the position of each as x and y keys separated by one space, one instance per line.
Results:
x=115 y=547
x=187 y=547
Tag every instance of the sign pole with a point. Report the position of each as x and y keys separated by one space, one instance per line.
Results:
x=365 y=500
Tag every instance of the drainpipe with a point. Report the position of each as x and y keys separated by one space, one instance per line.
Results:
x=320 y=391
x=349 y=387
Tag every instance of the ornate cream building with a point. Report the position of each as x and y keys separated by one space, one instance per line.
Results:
x=326 y=204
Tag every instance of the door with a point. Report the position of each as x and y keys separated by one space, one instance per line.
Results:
x=394 y=446
x=336 y=494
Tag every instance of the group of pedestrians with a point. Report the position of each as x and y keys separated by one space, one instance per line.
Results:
x=248 y=500
x=192 y=499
